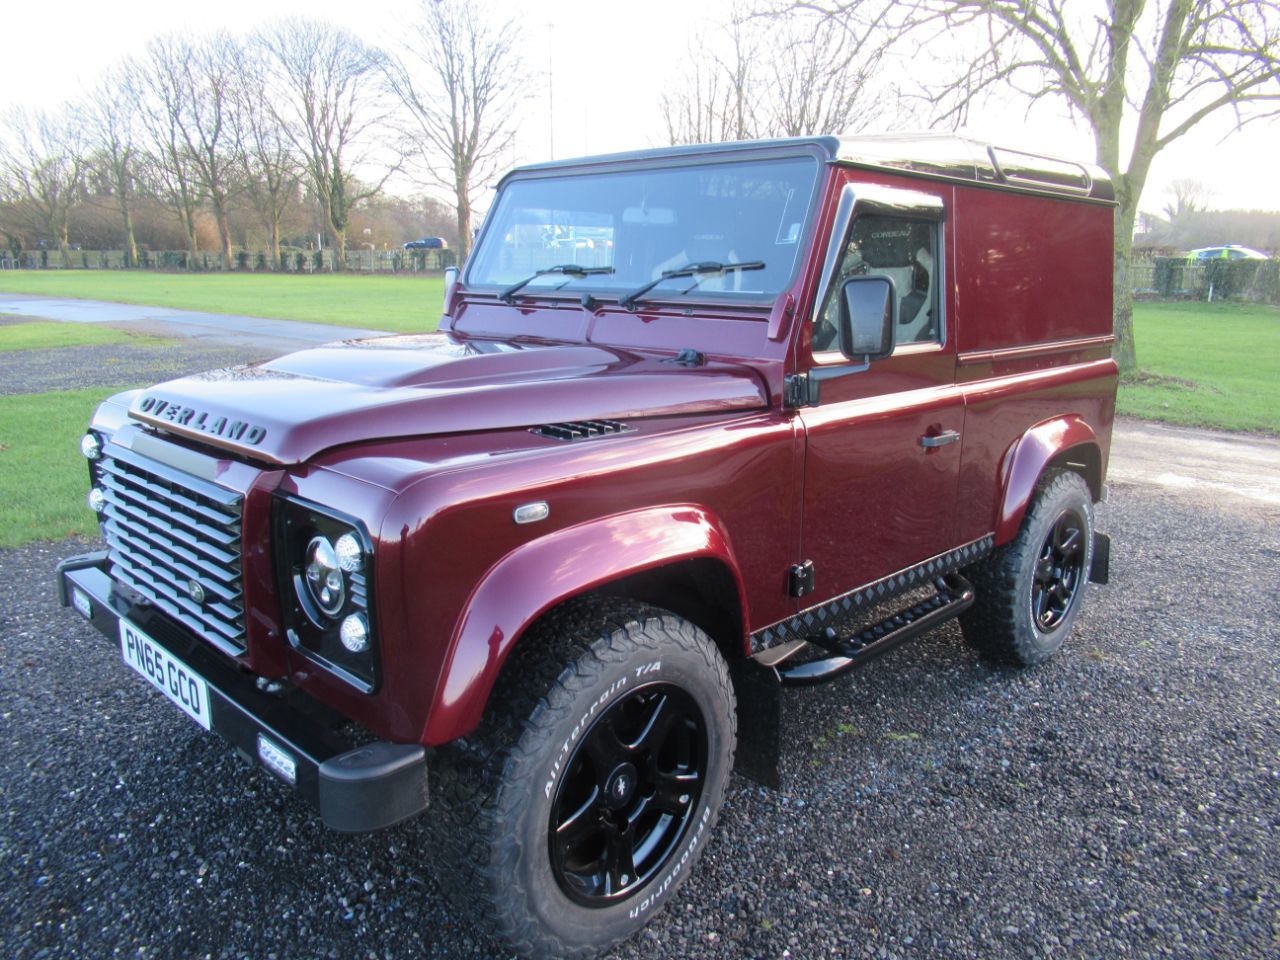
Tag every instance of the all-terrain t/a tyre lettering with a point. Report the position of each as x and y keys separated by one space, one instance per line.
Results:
x=591 y=790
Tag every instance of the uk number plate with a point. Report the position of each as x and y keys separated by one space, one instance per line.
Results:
x=166 y=673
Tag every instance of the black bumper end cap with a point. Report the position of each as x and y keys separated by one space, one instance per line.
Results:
x=374 y=786
x=1100 y=568
x=82 y=561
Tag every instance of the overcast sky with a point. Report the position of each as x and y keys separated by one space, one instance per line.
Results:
x=608 y=61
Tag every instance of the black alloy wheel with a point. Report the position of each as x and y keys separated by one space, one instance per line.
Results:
x=1031 y=590
x=1059 y=572
x=628 y=795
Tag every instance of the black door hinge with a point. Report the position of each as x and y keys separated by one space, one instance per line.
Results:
x=800 y=579
x=795 y=391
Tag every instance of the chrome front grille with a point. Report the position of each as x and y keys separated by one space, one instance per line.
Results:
x=175 y=539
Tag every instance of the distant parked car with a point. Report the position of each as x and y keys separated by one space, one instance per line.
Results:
x=1230 y=251
x=427 y=243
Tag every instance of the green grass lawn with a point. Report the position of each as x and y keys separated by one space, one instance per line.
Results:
x=400 y=303
x=1208 y=365
x=43 y=477
x=47 y=334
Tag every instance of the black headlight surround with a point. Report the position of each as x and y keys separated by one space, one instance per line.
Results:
x=294 y=524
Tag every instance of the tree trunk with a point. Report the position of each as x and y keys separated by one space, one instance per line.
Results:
x=275 y=242
x=339 y=250
x=1125 y=351
x=224 y=231
x=130 y=244
x=462 y=193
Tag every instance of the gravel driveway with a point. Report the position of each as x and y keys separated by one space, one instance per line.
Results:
x=1122 y=800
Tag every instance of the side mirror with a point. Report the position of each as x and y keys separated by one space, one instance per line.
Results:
x=450 y=279
x=868 y=316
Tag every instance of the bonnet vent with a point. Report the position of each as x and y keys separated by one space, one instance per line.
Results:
x=581 y=429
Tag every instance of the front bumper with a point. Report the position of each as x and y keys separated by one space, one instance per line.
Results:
x=355 y=788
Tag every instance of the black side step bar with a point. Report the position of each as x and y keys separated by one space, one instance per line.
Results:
x=955 y=594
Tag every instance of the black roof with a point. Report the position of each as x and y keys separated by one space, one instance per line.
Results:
x=943 y=156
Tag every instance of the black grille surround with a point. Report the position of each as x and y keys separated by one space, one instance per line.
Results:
x=175 y=540
x=582 y=429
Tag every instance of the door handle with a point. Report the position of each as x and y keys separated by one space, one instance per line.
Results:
x=941 y=440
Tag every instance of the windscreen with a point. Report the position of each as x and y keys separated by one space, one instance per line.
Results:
x=638 y=223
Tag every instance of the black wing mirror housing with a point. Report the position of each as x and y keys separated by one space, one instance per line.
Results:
x=868 y=317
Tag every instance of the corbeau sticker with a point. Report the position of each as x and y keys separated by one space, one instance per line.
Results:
x=180 y=415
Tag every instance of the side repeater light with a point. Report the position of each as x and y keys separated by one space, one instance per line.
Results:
x=532 y=512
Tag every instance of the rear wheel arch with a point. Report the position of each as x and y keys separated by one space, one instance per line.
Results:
x=1064 y=443
x=1084 y=459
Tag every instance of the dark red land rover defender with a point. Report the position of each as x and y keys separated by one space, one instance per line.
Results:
x=699 y=423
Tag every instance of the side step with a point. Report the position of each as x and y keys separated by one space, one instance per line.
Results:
x=955 y=594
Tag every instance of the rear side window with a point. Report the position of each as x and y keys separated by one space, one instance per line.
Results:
x=905 y=251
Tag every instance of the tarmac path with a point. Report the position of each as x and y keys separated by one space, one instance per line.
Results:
x=221 y=329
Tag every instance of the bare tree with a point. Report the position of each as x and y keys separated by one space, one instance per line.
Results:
x=272 y=169
x=1141 y=74
x=1186 y=195
x=111 y=130
x=459 y=78
x=327 y=96
x=209 y=127
x=713 y=98
x=42 y=161
x=161 y=91
x=778 y=74
x=823 y=76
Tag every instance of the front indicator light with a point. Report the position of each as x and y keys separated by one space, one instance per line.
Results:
x=355 y=633
x=97 y=500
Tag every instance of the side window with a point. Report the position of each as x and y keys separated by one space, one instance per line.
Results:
x=905 y=251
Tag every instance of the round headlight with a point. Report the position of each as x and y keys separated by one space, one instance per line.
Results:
x=350 y=556
x=355 y=633
x=97 y=501
x=91 y=446
x=324 y=577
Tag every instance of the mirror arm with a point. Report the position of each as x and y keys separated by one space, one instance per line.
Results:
x=805 y=389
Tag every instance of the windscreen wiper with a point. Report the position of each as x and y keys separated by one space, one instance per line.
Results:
x=707 y=268
x=571 y=270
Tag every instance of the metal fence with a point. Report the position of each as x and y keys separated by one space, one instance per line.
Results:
x=1176 y=278
x=1164 y=278
x=254 y=261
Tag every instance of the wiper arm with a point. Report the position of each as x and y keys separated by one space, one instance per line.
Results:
x=707 y=268
x=571 y=270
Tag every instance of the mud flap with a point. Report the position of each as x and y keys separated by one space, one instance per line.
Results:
x=759 y=695
x=1100 y=569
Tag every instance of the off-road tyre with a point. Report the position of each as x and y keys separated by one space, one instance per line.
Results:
x=493 y=795
x=1004 y=624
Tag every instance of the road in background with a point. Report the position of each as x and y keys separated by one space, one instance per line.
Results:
x=253 y=333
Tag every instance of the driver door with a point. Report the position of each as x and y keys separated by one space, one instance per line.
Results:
x=883 y=440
